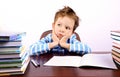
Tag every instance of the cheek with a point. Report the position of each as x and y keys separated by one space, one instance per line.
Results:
x=67 y=32
x=56 y=30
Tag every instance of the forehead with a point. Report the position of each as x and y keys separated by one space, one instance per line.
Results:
x=66 y=21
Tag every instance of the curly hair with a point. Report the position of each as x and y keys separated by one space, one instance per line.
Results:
x=67 y=11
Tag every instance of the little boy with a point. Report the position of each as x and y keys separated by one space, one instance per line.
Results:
x=62 y=37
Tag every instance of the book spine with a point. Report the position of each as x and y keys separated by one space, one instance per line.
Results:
x=12 y=37
x=10 y=61
x=115 y=35
x=13 y=65
x=116 y=49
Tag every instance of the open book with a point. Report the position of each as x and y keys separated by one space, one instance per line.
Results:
x=95 y=60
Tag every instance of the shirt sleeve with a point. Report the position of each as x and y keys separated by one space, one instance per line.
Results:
x=40 y=46
x=78 y=47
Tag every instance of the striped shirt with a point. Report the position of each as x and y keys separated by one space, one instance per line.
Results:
x=41 y=46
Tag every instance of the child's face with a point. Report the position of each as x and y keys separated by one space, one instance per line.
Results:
x=63 y=26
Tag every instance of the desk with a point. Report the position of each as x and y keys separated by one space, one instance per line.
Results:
x=55 y=71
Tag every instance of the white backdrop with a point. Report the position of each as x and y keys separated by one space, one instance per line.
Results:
x=98 y=18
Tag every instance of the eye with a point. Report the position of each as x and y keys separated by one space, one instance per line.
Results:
x=68 y=28
x=59 y=24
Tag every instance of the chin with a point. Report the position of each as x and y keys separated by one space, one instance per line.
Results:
x=59 y=36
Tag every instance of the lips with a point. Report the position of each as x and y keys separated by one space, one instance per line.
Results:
x=60 y=34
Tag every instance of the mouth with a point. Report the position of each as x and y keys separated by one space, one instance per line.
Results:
x=60 y=35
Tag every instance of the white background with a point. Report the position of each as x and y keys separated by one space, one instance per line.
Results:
x=98 y=18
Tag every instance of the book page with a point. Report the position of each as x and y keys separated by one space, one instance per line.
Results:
x=73 y=61
x=98 y=60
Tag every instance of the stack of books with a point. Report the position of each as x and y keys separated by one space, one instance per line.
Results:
x=115 y=35
x=14 y=57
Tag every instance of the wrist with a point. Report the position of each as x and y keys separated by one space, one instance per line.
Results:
x=65 y=45
x=53 y=44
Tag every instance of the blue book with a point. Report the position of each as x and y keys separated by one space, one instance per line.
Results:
x=11 y=36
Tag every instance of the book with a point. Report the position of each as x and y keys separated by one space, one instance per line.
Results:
x=10 y=56
x=116 y=44
x=9 y=61
x=21 y=56
x=11 y=65
x=10 y=44
x=94 y=60
x=115 y=38
x=10 y=50
x=14 y=63
x=118 y=63
x=116 y=58
x=11 y=74
x=115 y=53
x=15 y=71
x=115 y=33
x=14 y=58
x=115 y=48
x=11 y=36
x=116 y=41
x=13 y=50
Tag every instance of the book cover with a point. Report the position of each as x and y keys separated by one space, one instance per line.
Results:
x=118 y=63
x=14 y=56
x=14 y=71
x=10 y=61
x=115 y=37
x=114 y=43
x=116 y=49
x=11 y=50
x=115 y=33
x=11 y=65
x=116 y=58
x=115 y=53
x=11 y=36
x=10 y=56
x=11 y=73
x=14 y=60
x=10 y=44
x=9 y=70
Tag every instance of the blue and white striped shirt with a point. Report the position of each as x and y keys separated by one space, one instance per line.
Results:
x=42 y=46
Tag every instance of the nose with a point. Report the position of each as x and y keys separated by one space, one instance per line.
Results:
x=62 y=29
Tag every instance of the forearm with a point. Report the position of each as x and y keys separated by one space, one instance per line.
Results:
x=80 y=48
x=38 y=48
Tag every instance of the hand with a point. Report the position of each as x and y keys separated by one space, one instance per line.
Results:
x=55 y=40
x=64 y=40
x=54 y=37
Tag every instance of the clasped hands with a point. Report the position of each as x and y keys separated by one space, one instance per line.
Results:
x=61 y=42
